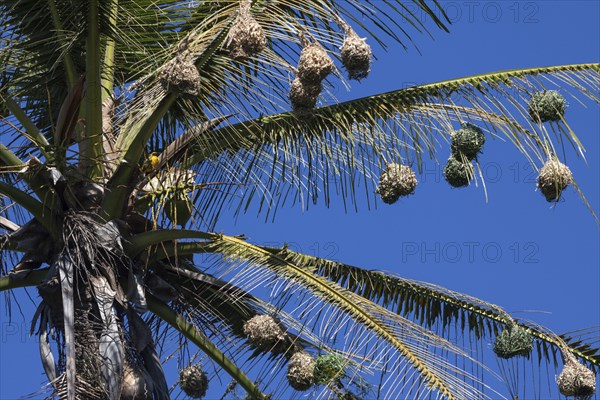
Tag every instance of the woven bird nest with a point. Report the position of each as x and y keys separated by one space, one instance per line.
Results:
x=468 y=141
x=181 y=75
x=328 y=368
x=513 y=341
x=264 y=333
x=395 y=181
x=178 y=208
x=356 y=56
x=300 y=371
x=303 y=96
x=458 y=173
x=576 y=380
x=548 y=105
x=133 y=386
x=314 y=64
x=168 y=180
x=193 y=381
x=554 y=177
x=246 y=37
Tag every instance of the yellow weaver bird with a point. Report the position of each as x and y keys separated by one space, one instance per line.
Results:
x=151 y=162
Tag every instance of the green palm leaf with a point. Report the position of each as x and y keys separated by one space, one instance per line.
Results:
x=284 y=156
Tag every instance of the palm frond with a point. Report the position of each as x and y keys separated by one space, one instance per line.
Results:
x=196 y=337
x=286 y=157
x=437 y=307
x=413 y=347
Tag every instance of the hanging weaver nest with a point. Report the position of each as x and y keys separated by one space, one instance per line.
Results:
x=300 y=371
x=468 y=141
x=395 y=181
x=181 y=75
x=178 y=208
x=513 y=341
x=134 y=385
x=554 y=177
x=264 y=333
x=303 y=96
x=193 y=381
x=314 y=64
x=246 y=37
x=355 y=53
x=170 y=179
x=548 y=105
x=328 y=368
x=576 y=380
x=458 y=173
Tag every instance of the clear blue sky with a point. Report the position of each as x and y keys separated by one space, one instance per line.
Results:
x=538 y=261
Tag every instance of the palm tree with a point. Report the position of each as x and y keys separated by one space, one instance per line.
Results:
x=134 y=124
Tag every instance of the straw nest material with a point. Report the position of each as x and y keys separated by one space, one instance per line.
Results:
x=554 y=177
x=513 y=341
x=468 y=141
x=458 y=173
x=576 y=380
x=168 y=180
x=303 y=96
x=329 y=367
x=246 y=37
x=395 y=181
x=314 y=64
x=264 y=333
x=181 y=75
x=134 y=386
x=548 y=105
x=193 y=381
x=300 y=371
x=356 y=56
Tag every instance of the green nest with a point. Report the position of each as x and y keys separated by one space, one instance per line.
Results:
x=554 y=177
x=300 y=372
x=458 y=173
x=513 y=341
x=548 y=105
x=328 y=368
x=396 y=181
x=193 y=381
x=178 y=208
x=468 y=141
x=576 y=380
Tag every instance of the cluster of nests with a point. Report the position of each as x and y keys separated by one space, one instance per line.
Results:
x=395 y=181
x=245 y=39
x=554 y=177
x=303 y=371
x=315 y=65
x=467 y=143
x=575 y=379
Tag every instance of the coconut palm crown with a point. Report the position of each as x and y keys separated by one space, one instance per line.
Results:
x=130 y=125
